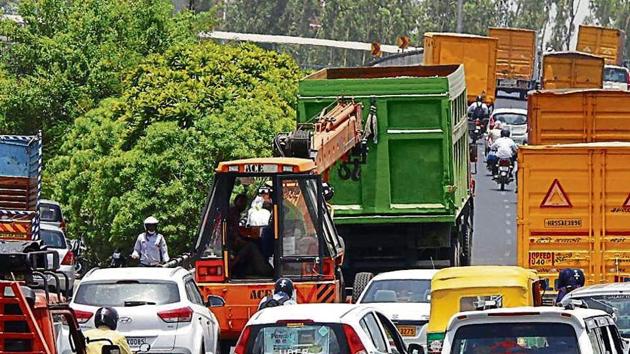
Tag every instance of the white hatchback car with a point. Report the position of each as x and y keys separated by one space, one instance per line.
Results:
x=321 y=328
x=514 y=119
x=405 y=297
x=161 y=309
x=533 y=330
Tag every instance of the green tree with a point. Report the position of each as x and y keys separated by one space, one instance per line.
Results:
x=153 y=149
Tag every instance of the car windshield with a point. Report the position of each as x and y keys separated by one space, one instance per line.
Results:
x=49 y=213
x=618 y=304
x=398 y=290
x=131 y=293
x=53 y=239
x=511 y=118
x=298 y=338
x=531 y=338
x=615 y=75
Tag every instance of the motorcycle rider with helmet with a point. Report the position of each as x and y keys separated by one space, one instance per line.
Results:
x=283 y=294
x=105 y=321
x=505 y=148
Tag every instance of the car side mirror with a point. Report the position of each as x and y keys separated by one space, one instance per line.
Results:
x=110 y=349
x=415 y=348
x=215 y=301
x=328 y=191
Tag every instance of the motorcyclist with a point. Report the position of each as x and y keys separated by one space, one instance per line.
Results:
x=493 y=135
x=478 y=110
x=569 y=280
x=283 y=294
x=105 y=321
x=505 y=148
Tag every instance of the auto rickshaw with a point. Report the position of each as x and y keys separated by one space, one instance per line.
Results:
x=458 y=289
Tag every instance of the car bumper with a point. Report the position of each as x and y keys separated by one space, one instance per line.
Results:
x=183 y=340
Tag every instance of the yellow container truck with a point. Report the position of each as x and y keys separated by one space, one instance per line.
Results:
x=572 y=70
x=516 y=59
x=607 y=43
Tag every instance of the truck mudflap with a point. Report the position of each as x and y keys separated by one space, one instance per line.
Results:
x=242 y=300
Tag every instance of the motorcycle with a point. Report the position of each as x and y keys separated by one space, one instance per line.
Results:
x=504 y=173
x=476 y=132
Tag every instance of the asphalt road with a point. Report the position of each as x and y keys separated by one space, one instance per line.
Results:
x=494 y=238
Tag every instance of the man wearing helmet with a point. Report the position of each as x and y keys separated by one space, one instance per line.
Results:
x=478 y=109
x=150 y=247
x=105 y=321
x=505 y=147
x=283 y=294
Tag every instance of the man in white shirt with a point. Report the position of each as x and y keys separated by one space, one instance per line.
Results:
x=504 y=148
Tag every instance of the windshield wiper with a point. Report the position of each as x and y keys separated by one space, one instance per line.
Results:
x=138 y=303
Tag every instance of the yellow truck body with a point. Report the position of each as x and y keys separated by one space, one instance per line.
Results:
x=572 y=70
x=478 y=54
x=604 y=42
x=516 y=52
x=578 y=116
x=574 y=210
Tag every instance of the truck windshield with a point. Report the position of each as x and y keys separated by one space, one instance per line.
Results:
x=398 y=290
x=516 y=337
x=619 y=304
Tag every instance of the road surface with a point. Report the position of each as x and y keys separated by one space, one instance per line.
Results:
x=494 y=238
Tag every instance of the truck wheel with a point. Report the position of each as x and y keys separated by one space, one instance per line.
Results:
x=467 y=242
x=361 y=280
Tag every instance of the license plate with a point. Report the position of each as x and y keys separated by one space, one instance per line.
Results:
x=504 y=168
x=136 y=341
x=407 y=331
x=509 y=82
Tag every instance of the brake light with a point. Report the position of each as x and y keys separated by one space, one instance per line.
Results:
x=354 y=342
x=295 y=323
x=504 y=162
x=241 y=344
x=68 y=259
x=83 y=316
x=183 y=314
x=211 y=270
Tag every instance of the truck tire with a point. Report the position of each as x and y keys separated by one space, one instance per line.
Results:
x=361 y=280
x=467 y=241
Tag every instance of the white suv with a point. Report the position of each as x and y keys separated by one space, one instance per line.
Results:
x=160 y=309
x=533 y=330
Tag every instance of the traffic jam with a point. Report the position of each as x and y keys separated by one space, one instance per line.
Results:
x=356 y=237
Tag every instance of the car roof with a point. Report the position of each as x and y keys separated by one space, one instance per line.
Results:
x=47 y=201
x=615 y=67
x=577 y=315
x=50 y=227
x=601 y=289
x=477 y=277
x=407 y=274
x=137 y=273
x=510 y=110
x=330 y=313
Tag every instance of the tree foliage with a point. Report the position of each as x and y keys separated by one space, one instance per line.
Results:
x=152 y=150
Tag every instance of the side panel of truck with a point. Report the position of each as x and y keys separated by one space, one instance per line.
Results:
x=572 y=70
x=579 y=116
x=573 y=210
x=516 y=52
x=604 y=42
x=478 y=55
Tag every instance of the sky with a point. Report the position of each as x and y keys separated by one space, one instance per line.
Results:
x=582 y=12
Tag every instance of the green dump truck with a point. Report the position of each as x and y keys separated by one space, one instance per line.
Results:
x=412 y=206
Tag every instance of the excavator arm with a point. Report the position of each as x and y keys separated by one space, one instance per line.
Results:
x=334 y=135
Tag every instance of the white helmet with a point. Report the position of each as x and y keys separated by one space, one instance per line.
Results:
x=151 y=221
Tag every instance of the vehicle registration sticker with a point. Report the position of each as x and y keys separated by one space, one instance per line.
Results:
x=136 y=341
x=407 y=331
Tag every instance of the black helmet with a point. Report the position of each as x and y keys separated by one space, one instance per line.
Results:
x=106 y=316
x=505 y=133
x=284 y=285
x=479 y=98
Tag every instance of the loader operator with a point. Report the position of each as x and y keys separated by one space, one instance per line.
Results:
x=105 y=321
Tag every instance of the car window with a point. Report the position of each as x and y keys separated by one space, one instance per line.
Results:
x=398 y=290
x=127 y=293
x=393 y=337
x=322 y=338
x=615 y=75
x=193 y=293
x=53 y=239
x=49 y=212
x=516 y=337
x=374 y=331
x=617 y=304
x=616 y=338
x=511 y=118
x=594 y=336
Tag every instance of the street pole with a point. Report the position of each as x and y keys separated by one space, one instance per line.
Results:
x=460 y=16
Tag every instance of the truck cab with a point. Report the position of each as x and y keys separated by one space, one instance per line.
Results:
x=265 y=219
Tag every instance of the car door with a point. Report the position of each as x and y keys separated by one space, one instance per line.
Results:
x=396 y=343
x=373 y=329
x=201 y=312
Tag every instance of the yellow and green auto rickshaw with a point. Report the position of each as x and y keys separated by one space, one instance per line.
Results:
x=459 y=289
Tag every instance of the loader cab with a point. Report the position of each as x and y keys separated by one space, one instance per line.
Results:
x=265 y=219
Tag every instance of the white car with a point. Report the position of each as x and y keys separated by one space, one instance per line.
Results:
x=161 y=309
x=514 y=119
x=405 y=297
x=616 y=77
x=533 y=330
x=55 y=240
x=50 y=213
x=321 y=328
x=612 y=298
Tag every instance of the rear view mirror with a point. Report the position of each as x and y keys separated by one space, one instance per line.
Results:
x=110 y=349
x=215 y=301
x=328 y=191
x=415 y=348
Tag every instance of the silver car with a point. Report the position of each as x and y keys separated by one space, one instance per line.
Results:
x=55 y=239
x=514 y=119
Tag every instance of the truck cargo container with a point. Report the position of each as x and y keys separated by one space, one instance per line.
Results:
x=20 y=186
x=478 y=54
x=607 y=43
x=573 y=210
x=411 y=206
x=578 y=116
x=516 y=59
x=572 y=70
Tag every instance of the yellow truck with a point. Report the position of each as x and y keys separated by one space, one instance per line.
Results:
x=607 y=43
x=516 y=59
x=578 y=116
x=478 y=54
x=574 y=210
x=572 y=70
